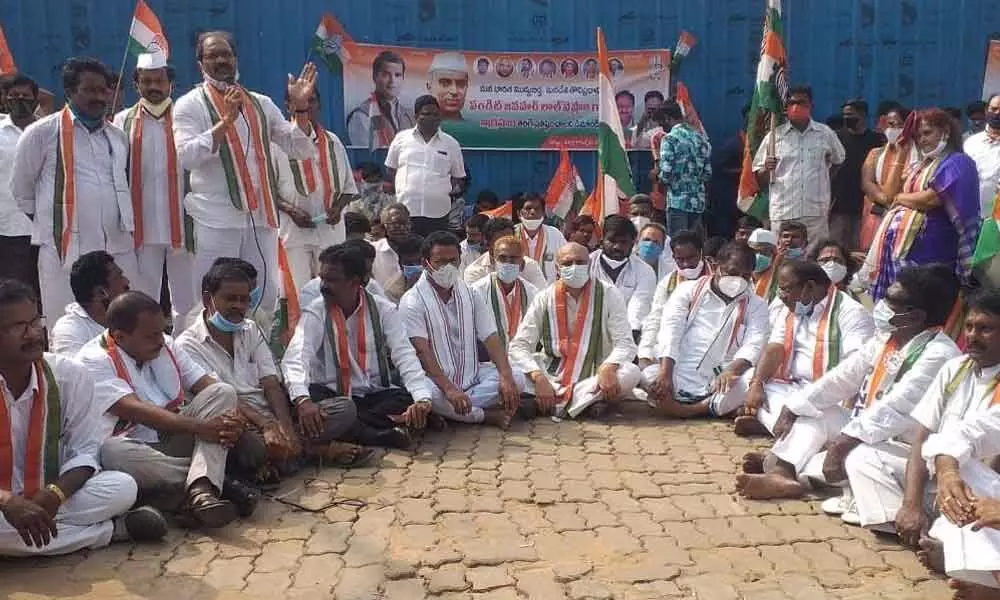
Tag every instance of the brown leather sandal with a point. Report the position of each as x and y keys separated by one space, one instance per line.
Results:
x=208 y=509
x=344 y=455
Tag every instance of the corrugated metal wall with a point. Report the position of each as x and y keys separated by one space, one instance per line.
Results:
x=921 y=52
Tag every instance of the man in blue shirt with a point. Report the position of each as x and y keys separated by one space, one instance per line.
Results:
x=685 y=168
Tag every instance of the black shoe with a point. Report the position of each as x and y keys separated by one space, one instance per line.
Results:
x=397 y=437
x=528 y=408
x=436 y=422
x=142 y=524
x=243 y=495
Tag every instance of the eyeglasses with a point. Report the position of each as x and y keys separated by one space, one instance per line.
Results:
x=20 y=328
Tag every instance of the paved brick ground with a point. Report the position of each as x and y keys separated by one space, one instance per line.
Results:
x=632 y=509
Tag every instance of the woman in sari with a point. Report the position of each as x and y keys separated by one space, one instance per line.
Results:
x=875 y=173
x=935 y=216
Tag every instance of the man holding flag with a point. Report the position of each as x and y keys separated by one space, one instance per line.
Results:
x=157 y=184
x=224 y=134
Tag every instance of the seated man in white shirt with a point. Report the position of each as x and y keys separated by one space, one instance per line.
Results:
x=411 y=265
x=868 y=397
x=712 y=331
x=347 y=356
x=95 y=280
x=817 y=328
x=142 y=378
x=686 y=248
x=652 y=248
x=506 y=293
x=54 y=497
x=541 y=242
x=894 y=488
x=444 y=320
x=587 y=348
x=495 y=229
x=396 y=221
x=615 y=265
x=473 y=245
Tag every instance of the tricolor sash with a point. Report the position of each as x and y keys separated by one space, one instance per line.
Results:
x=107 y=342
x=41 y=457
x=573 y=355
x=538 y=255
x=960 y=376
x=826 y=353
x=181 y=233
x=64 y=201
x=459 y=361
x=726 y=339
x=381 y=127
x=766 y=285
x=890 y=367
x=369 y=326
x=905 y=222
x=242 y=192
x=508 y=317
x=305 y=177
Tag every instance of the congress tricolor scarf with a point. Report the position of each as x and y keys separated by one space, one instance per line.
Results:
x=41 y=455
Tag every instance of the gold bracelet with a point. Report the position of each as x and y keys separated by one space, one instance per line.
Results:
x=55 y=489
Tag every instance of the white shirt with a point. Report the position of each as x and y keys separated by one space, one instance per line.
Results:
x=81 y=429
x=311 y=290
x=155 y=180
x=651 y=325
x=469 y=255
x=483 y=266
x=250 y=362
x=73 y=330
x=309 y=357
x=636 y=281
x=986 y=153
x=889 y=414
x=103 y=215
x=687 y=337
x=147 y=379
x=854 y=322
x=554 y=240
x=616 y=335
x=13 y=222
x=323 y=234
x=801 y=185
x=209 y=202
x=386 y=264
x=424 y=169
x=482 y=290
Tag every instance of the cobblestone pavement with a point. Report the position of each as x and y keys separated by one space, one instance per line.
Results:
x=631 y=509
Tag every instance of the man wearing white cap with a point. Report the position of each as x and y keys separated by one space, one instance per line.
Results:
x=448 y=81
x=162 y=234
x=223 y=133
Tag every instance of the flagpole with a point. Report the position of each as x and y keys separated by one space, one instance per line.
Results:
x=118 y=86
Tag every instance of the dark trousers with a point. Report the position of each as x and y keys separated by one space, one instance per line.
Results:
x=20 y=262
x=424 y=226
x=374 y=410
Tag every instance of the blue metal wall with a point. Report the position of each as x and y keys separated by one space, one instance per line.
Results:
x=921 y=52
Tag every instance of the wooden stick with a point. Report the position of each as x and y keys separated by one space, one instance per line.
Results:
x=772 y=144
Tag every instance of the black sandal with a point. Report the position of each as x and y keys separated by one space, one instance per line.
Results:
x=210 y=510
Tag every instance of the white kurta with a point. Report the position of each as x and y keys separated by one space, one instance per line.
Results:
x=482 y=289
x=545 y=257
x=483 y=266
x=309 y=356
x=386 y=264
x=651 y=325
x=636 y=282
x=73 y=330
x=469 y=255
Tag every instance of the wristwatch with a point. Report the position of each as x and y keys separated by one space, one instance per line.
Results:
x=422 y=401
x=300 y=400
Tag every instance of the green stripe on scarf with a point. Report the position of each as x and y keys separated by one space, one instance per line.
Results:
x=386 y=370
x=296 y=167
x=331 y=151
x=495 y=305
x=57 y=201
x=594 y=350
x=833 y=339
x=53 y=424
x=265 y=135
x=331 y=338
x=547 y=343
x=226 y=156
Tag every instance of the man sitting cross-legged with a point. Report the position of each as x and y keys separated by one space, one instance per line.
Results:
x=444 y=320
x=712 y=331
x=175 y=449
x=493 y=230
x=346 y=360
x=54 y=497
x=505 y=291
x=882 y=383
x=586 y=341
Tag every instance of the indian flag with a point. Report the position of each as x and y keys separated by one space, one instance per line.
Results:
x=988 y=247
x=685 y=42
x=504 y=211
x=614 y=176
x=146 y=34
x=287 y=316
x=330 y=43
x=767 y=105
x=690 y=114
x=7 y=66
x=565 y=195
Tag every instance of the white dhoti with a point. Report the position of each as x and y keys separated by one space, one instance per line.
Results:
x=585 y=391
x=801 y=447
x=84 y=521
x=877 y=475
x=972 y=556
x=483 y=394
x=180 y=279
x=720 y=405
x=53 y=279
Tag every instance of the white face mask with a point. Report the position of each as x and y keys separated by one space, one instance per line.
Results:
x=694 y=272
x=732 y=286
x=156 y=110
x=446 y=276
x=614 y=264
x=575 y=276
x=881 y=314
x=937 y=149
x=835 y=271
x=531 y=224
x=508 y=272
x=641 y=222
x=892 y=134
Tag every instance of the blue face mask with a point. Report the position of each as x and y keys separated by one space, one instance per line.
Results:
x=475 y=247
x=411 y=271
x=649 y=250
x=761 y=263
x=90 y=123
x=803 y=310
x=794 y=253
x=255 y=297
x=223 y=324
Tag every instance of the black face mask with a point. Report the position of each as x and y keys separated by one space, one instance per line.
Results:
x=21 y=108
x=851 y=122
x=993 y=120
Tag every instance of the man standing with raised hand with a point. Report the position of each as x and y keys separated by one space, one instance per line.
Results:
x=157 y=187
x=223 y=134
